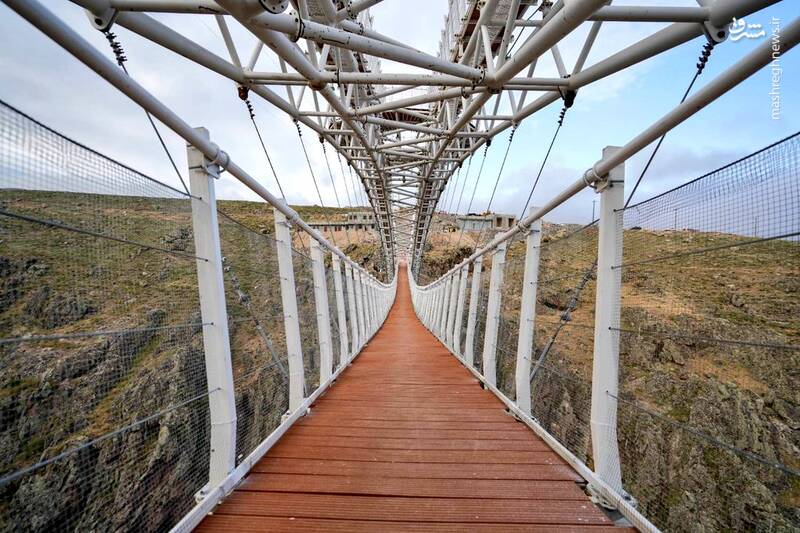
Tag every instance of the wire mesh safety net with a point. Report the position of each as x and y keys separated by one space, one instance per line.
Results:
x=257 y=336
x=307 y=311
x=333 y=313
x=710 y=347
x=104 y=415
x=482 y=302
x=561 y=355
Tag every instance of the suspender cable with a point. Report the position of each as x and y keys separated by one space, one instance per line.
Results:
x=333 y=184
x=701 y=64
x=497 y=181
x=313 y=176
x=243 y=94
x=475 y=188
x=119 y=54
x=344 y=179
x=566 y=316
x=464 y=185
x=455 y=188
x=569 y=99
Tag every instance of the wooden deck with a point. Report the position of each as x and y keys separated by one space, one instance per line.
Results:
x=406 y=440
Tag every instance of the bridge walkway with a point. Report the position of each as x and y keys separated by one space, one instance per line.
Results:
x=406 y=440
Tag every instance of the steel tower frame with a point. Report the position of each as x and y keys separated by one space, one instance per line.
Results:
x=404 y=149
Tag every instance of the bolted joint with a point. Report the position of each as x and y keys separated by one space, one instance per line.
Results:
x=274 y=6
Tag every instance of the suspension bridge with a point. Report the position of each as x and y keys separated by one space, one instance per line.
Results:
x=172 y=361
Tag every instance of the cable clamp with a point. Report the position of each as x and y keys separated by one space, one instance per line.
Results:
x=592 y=179
x=221 y=161
x=525 y=230
x=102 y=21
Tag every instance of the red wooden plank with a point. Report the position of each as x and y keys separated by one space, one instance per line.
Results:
x=397 y=433
x=460 y=471
x=258 y=504
x=265 y=524
x=423 y=443
x=441 y=488
x=283 y=449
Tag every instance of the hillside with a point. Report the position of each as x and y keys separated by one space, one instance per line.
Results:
x=68 y=384
x=706 y=345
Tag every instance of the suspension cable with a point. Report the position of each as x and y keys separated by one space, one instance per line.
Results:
x=701 y=64
x=569 y=99
x=333 y=184
x=344 y=178
x=566 y=315
x=497 y=181
x=475 y=188
x=243 y=94
x=454 y=188
x=464 y=184
x=119 y=55
x=313 y=176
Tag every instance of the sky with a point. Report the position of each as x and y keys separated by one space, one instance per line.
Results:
x=46 y=82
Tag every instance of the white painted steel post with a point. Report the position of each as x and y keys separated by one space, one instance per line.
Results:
x=445 y=308
x=216 y=340
x=493 y=315
x=431 y=307
x=472 y=313
x=351 y=306
x=426 y=307
x=341 y=314
x=441 y=308
x=462 y=296
x=605 y=366
x=370 y=306
x=362 y=324
x=451 y=313
x=375 y=305
x=322 y=307
x=527 y=316
x=291 y=322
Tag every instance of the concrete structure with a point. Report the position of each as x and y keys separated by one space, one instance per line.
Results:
x=355 y=221
x=486 y=221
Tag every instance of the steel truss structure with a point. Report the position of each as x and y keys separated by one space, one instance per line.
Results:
x=405 y=148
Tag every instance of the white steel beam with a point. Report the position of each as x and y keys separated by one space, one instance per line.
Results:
x=493 y=314
x=216 y=343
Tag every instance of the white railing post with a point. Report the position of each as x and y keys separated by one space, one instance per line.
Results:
x=605 y=366
x=493 y=315
x=441 y=308
x=451 y=312
x=472 y=313
x=216 y=340
x=445 y=299
x=341 y=314
x=291 y=322
x=351 y=305
x=370 y=307
x=373 y=299
x=430 y=305
x=322 y=307
x=462 y=296
x=425 y=297
x=362 y=323
x=527 y=315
